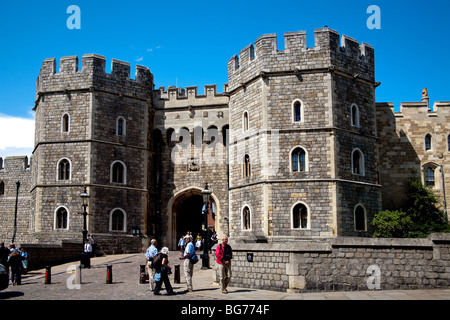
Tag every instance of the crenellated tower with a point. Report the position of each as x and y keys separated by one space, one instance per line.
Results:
x=92 y=129
x=303 y=159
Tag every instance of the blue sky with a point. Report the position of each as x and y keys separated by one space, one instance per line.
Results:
x=188 y=43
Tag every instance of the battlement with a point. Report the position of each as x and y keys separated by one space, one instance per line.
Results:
x=180 y=97
x=14 y=163
x=93 y=69
x=330 y=50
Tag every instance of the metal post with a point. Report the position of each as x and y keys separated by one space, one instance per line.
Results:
x=15 y=212
x=48 y=275
x=109 y=274
x=176 y=276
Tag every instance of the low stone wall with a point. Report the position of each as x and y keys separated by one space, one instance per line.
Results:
x=343 y=264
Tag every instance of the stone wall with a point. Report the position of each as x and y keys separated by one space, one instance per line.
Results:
x=344 y=264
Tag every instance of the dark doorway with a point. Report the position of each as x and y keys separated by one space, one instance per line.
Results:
x=189 y=216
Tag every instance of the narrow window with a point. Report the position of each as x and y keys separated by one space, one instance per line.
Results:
x=65 y=122
x=299 y=160
x=246 y=223
x=300 y=217
x=355 y=115
x=117 y=220
x=246 y=166
x=360 y=218
x=64 y=169
x=429 y=177
x=448 y=142
x=2 y=188
x=297 y=111
x=245 y=124
x=428 y=142
x=120 y=130
x=118 y=172
x=357 y=162
x=61 y=219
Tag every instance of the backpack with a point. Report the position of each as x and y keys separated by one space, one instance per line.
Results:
x=157 y=261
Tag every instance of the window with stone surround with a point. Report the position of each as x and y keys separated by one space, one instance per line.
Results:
x=429 y=176
x=297 y=111
x=118 y=172
x=354 y=110
x=64 y=169
x=428 y=142
x=2 y=188
x=121 y=125
x=245 y=121
x=65 y=123
x=299 y=160
x=246 y=166
x=61 y=218
x=246 y=218
x=117 y=220
x=358 y=162
x=360 y=218
x=299 y=216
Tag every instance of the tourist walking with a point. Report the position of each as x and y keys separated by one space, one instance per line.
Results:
x=189 y=257
x=162 y=271
x=224 y=254
x=150 y=253
x=15 y=263
x=24 y=256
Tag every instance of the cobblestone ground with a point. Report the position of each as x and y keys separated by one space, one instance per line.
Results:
x=125 y=284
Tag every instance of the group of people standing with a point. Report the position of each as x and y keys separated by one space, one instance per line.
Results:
x=159 y=269
x=14 y=260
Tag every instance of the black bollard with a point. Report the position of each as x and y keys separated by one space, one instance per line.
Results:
x=109 y=274
x=176 y=276
x=142 y=274
x=48 y=275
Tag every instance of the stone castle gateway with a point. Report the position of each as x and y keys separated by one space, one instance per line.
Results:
x=294 y=148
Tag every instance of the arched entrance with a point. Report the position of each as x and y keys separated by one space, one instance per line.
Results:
x=185 y=214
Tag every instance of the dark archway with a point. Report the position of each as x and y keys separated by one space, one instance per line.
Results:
x=189 y=215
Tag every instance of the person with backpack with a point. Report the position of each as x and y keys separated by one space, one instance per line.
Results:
x=224 y=254
x=190 y=258
x=162 y=271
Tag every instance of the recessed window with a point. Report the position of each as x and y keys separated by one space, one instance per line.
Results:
x=64 y=169
x=298 y=157
x=355 y=115
x=118 y=220
x=118 y=172
x=297 y=111
x=357 y=162
x=360 y=218
x=61 y=218
x=246 y=218
x=121 y=126
x=245 y=121
x=65 y=123
x=2 y=188
x=300 y=216
x=428 y=142
x=429 y=177
x=246 y=166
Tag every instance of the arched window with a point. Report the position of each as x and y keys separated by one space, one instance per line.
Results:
x=64 y=169
x=118 y=172
x=355 y=115
x=65 y=123
x=300 y=216
x=428 y=142
x=245 y=121
x=117 y=220
x=121 y=126
x=297 y=111
x=357 y=162
x=448 y=142
x=298 y=157
x=246 y=166
x=2 y=188
x=246 y=218
x=360 y=218
x=61 y=218
x=429 y=177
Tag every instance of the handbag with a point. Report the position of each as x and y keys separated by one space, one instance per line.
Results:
x=194 y=259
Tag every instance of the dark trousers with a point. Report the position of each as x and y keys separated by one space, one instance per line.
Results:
x=167 y=285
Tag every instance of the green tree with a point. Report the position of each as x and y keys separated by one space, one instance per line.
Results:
x=419 y=216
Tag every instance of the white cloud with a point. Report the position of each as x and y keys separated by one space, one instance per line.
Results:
x=139 y=59
x=16 y=136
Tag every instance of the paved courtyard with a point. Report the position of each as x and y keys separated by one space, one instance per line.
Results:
x=125 y=286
